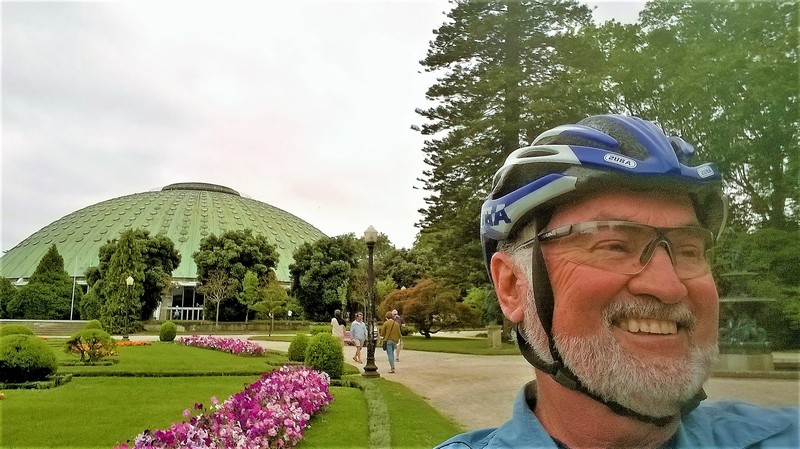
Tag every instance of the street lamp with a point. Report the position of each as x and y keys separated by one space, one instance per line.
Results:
x=126 y=311
x=370 y=369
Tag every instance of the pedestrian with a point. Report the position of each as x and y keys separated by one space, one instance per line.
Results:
x=596 y=238
x=358 y=332
x=337 y=326
x=399 y=319
x=390 y=335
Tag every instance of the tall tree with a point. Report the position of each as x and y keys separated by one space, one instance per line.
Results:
x=320 y=272
x=121 y=310
x=48 y=294
x=233 y=254
x=505 y=77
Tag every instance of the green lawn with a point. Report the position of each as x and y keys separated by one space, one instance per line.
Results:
x=163 y=358
x=100 y=411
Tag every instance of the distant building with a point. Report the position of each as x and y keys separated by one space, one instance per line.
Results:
x=185 y=212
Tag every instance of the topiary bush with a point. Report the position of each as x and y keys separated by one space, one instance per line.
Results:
x=91 y=344
x=324 y=353
x=297 y=348
x=15 y=329
x=94 y=324
x=25 y=358
x=168 y=331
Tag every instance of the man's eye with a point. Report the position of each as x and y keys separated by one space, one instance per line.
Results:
x=691 y=252
x=613 y=246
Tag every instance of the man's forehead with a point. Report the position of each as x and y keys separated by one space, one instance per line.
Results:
x=609 y=205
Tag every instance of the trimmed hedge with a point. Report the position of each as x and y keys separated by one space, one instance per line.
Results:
x=168 y=331
x=297 y=348
x=15 y=329
x=25 y=358
x=325 y=353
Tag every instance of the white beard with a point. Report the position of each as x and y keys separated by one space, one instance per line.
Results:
x=654 y=387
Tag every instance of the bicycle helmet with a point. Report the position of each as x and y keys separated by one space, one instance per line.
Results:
x=571 y=161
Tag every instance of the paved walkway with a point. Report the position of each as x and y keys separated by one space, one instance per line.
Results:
x=477 y=391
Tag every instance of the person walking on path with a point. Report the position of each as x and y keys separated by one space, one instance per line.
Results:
x=358 y=332
x=337 y=326
x=399 y=319
x=597 y=238
x=390 y=334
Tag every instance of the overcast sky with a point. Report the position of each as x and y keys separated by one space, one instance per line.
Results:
x=304 y=105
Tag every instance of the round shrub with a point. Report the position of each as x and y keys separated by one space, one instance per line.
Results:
x=168 y=331
x=94 y=324
x=25 y=358
x=15 y=329
x=324 y=353
x=297 y=348
x=91 y=344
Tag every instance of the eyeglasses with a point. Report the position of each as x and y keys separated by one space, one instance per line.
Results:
x=626 y=248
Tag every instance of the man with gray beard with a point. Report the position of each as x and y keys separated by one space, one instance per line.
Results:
x=597 y=239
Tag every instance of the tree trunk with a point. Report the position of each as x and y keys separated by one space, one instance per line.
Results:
x=216 y=322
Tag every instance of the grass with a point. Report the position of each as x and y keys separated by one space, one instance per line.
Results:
x=171 y=359
x=344 y=425
x=455 y=345
x=98 y=412
x=101 y=411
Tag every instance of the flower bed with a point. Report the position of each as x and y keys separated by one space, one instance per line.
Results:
x=232 y=345
x=273 y=412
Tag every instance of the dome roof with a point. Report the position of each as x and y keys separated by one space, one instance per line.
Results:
x=185 y=212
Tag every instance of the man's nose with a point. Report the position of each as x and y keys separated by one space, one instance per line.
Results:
x=659 y=279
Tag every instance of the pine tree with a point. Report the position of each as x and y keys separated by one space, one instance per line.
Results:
x=122 y=306
x=507 y=74
x=48 y=294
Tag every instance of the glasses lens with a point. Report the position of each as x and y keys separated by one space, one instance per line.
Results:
x=690 y=250
x=619 y=247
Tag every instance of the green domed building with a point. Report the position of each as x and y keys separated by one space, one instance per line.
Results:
x=184 y=212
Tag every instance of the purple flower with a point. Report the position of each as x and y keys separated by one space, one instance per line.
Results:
x=271 y=412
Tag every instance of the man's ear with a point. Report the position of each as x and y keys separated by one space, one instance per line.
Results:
x=511 y=286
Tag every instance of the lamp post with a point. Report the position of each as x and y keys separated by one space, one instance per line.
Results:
x=370 y=369
x=126 y=311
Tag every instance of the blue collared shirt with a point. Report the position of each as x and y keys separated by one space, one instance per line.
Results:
x=713 y=425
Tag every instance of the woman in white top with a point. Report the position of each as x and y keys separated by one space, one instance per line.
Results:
x=337 y=325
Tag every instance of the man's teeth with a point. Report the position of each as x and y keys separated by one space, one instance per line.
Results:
x=649 y=326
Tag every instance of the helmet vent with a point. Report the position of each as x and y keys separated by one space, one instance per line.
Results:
x=537 y=152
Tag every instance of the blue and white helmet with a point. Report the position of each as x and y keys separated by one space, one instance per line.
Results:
x=604 y=151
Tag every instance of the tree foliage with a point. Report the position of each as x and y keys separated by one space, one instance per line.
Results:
x=48 y=294
x=322 y=271
x=430 y=306
x=232 y=255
